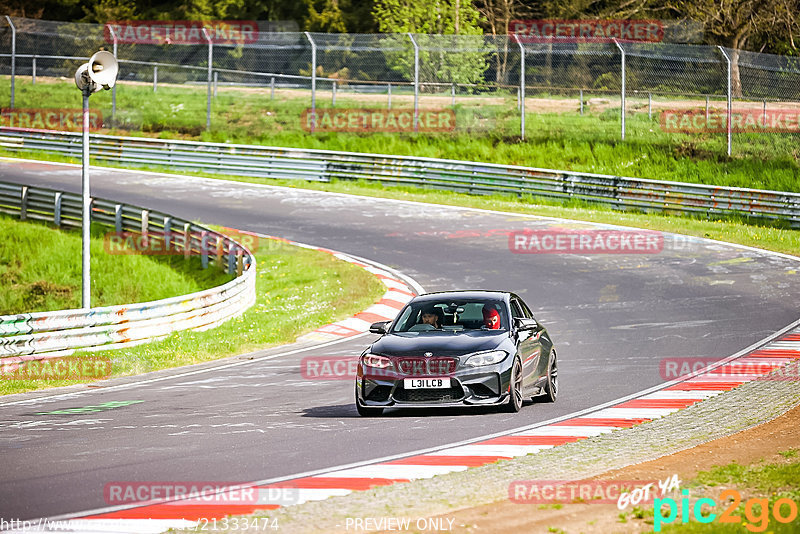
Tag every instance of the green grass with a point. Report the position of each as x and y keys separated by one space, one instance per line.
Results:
x=297 y=289
x=40 y=269
x=767 y=482
x=486 y=131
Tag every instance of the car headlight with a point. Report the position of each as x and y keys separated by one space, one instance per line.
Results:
x=378 y=362
x=486 y=358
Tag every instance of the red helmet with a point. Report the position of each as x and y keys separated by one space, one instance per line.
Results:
x=491 y=318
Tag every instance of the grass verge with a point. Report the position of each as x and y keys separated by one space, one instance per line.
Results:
x=40 y=269
x=297 y=291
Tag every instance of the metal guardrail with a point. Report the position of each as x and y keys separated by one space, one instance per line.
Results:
x=478 y=178
x=43 y=335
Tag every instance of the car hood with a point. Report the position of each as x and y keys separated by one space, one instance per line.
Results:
x=439 y=343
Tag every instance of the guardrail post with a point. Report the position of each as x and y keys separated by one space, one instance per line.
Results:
x=113 y=89
x=13 y=56
x=220 y=249
x=118 y=218
x=33 y=70
x=389 y=96
x=231 y=258
x=239 y=261
x=313 y=82
x=57 y=209
x=204 y=249
x=622 y=91
x=521 y=88
x=210 y=68
x=155 y=78
x=23 y=203
x=167 y=232
x=730 y=103
x=145 y=227
x=187 y=240
x=333 y=95
x=416 y=82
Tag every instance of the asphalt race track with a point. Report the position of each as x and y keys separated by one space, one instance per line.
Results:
x=613 y=317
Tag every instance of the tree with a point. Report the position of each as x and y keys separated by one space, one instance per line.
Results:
x=459 y=58
x=739 y=23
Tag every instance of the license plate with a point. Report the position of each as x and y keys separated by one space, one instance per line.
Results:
x=426 y=383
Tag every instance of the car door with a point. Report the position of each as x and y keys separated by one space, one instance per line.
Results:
x=543 y=342
x=528 y=346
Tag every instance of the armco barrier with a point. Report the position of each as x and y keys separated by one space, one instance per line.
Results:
x=463 y=176
x=50 y=334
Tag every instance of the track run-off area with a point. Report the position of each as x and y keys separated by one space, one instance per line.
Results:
x=615 y=319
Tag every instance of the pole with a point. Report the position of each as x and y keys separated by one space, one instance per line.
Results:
x=33 y=71
x=581 y=101
x=13 y=56
x=113 y=89
x=389 y=96
x=333 y=95
x=622 y=92
x=313 y=82
x=86 y=217
x=272 y=88
x=730 y=103
x=215 y=83
x=650 y=106
x=155 y=78
x=209 y=81
x=416 y=82
x=522 y=88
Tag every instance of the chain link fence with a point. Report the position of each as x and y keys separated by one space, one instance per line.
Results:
x=591 y=90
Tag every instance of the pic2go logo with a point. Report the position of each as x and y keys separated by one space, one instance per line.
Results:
x=756 y=511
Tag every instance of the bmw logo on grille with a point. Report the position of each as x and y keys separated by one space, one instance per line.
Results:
x=428 y=354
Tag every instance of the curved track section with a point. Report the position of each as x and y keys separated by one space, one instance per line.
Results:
x=614 y=317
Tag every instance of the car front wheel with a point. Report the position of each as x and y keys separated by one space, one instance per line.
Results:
x=365 y=411
x=515 y=389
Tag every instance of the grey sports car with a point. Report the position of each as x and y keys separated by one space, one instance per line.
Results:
x=457 y=348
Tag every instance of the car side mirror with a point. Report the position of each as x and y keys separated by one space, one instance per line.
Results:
x=523 y=323
x=381 y=327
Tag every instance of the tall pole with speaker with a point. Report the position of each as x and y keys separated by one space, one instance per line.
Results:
x=99 y=73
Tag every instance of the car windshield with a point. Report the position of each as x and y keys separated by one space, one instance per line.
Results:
x=452 y=316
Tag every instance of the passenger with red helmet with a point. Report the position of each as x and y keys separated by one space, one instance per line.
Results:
x=491 y=317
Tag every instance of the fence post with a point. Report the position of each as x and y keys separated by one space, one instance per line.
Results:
x=113 y=89
x=155 y=78
x=622 y=92
x=333 y=94
x=272 y=88
x=453 y=94
x=215 y=83
x=210 y=69
x=581 y=102
x=416 y=82
x=650 y=106
x=167 y=232
x=118 y=218
x=204 y=249
x=521 y=88
x=730 y=103
x=313 y=81
x=765 y=114
x=57 y=209
x=23 y=203
x=389 y=96
x=187 y=240
x=706 y=109
x=33 y=71
x=13 y=56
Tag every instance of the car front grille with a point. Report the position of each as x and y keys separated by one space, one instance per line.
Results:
x=454 y=393
x=379 y=393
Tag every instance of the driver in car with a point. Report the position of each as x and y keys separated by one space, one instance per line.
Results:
x=433 y=317
x=491 y=317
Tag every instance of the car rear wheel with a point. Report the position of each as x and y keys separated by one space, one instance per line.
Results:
x=551 y=386
x=515 y=389
x=365 y=411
